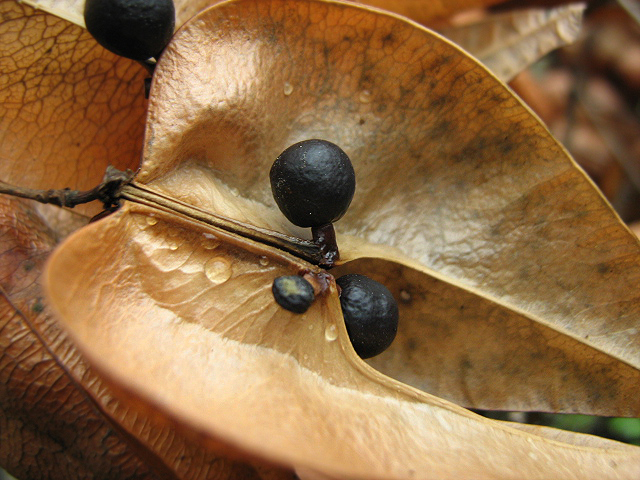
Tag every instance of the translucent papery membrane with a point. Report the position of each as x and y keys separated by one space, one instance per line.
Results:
x=182 y=320
x=462 y=196
x=456 y=180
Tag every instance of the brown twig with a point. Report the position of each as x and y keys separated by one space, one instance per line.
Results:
x=106 y=192
x=149 y=65
x=117 y=186
x=325 y=238
x=311 y=251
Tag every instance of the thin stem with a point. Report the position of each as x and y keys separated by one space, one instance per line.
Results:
x=325 y=237
x=149 y=65
x=105 y=192
x=304 y=249
x=61 y=198
x=117 y=186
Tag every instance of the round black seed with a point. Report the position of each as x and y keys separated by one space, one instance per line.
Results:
x=293 y=293
x=313 y=183
x=136 y=29
x=370 y=314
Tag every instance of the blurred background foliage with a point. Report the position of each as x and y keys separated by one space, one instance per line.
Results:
x=588 y=95
x=625 y=430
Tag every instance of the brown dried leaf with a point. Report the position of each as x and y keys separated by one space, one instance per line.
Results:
x=189 y=325
x=479 y=352
x=508 y=43
x=50 y=426
x=69 y=10
x=420 y=11
x=632 y=8
x=188 y=329
x=453 y=172
x=65 y=101
x=427 y=12
x=57 y=418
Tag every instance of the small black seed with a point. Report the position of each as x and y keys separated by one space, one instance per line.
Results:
x=136 y=29
x=313 y=183
x=293 y=293
x=370 y=314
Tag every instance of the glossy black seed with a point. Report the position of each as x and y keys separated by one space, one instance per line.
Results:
x=136 y=29
x=370 y=314
x=313 y=183
x=293 y=293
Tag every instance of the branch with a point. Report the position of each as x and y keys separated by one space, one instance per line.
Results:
x=107 y=192
x=117 y=185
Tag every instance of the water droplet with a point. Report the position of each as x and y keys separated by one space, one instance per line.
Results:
x=211 y=244
x=365 y=96
x=405 y=296
x=234 y=191
x=264 y=261
x=172 y=244
x=310 y=326
x=173 y=239
x=305 y=356
x=288 y=88
x=217 y=269
x=152 y=220
x=331 y=333
x=211 y=241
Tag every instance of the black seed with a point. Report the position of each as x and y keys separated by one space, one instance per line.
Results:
x=136 y=29
x=370 y=314
x=293 y=293
x=313 y=183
